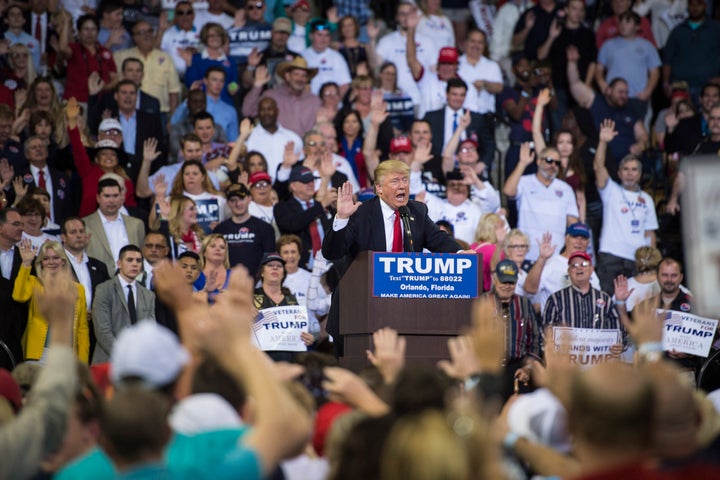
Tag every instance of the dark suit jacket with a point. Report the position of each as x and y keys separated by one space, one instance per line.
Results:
x=292 y=218
x=478 y=129
x=14 y=317
x=98 y=273
x=97 y=104
x=63 y=205
x=366 y=231
x=110 y=314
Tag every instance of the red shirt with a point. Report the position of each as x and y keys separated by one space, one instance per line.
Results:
x=81 y=64
x=609 y=29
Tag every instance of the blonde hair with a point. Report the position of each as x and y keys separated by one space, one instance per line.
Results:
x=424 y=447
x=206 y=242
x=517 y=233
x=485 y=231
x=55 y=247
x=647 y=259
x=390 y=166
x=175 y=221
x=30 y=73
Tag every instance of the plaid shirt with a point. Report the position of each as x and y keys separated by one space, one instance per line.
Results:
x=522 y=328
x=355 y=8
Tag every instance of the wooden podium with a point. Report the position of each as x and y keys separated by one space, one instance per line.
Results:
x=427 y=323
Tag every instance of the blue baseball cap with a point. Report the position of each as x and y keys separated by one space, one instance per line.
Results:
x=578 y=229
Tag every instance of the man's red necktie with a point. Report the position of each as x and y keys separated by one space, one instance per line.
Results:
x=397 y=244
x=38 y=31
x=41 y=180
x=314 y=233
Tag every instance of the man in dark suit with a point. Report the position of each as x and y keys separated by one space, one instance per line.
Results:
x=445 y=121
x=137 y=126
x=120 y=302
x=375 y=225
x=39 y=26
x=88 y=271
x=304 y=216
x=132 y=69
x=14 y=314
x=37 y=173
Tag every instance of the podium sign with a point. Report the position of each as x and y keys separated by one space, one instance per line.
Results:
x=424 y=275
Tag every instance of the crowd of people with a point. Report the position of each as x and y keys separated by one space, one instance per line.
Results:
x=172 y=172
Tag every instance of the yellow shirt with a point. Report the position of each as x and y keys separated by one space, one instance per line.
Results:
x=35 y=336
x=160 y=78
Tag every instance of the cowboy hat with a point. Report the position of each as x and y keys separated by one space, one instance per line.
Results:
x=297 y=62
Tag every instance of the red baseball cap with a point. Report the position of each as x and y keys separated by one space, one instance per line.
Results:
x=259 y=177
x=448 y=55
x=400 y=145
x=579 y=254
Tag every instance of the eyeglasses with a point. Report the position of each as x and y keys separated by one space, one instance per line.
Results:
x=550 y=161
x=155 y=246
x=146 y=31
x=518 y=247
x=331 y=93
x=467 y=150
x=32 y=214
x=255 y=6
x=313 y=143
x=582 y=264
x=261 y=185
x=184 y=12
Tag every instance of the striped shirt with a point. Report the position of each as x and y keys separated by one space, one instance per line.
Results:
x=571 y=308
x=522 y=328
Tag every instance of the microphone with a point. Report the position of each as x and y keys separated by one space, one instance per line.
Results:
x=405 y=216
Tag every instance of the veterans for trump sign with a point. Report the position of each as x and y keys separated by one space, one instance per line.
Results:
x=279 y=328
x=586 y=346
x=687 y=333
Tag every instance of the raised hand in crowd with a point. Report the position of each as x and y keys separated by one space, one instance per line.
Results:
x=389 y=353
x=463 y=359
x=344 y=386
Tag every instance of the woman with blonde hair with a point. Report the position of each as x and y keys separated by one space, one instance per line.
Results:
x=50 y=262
x=21 y=73
x=489 y=235
x=193 y=181
x=645 y=282
x=215 y=262
x=179 y=224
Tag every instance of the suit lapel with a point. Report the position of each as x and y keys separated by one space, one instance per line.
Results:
x=99 y=232
x=377 y=228
x=119 y=291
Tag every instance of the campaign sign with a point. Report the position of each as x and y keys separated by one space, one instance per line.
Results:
x=688 y=333
x=208 y=211
x=425 y=275
x=279 y=328
x=587 y=346
x=244 y=39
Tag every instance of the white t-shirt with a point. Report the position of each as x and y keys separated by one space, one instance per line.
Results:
x=392 y=48
x=175 y=38
x=297 y=41
x=485 y=69
x=544 y=209
x=222 y=203
x=331 y=66
x=626 y=217
x=272 y=145
x=204 y=16
x=298 y=283
x=437 y=28
x=555 y=277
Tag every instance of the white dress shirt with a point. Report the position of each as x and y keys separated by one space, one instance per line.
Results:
x=116 y=234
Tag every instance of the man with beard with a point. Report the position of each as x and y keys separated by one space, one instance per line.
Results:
x=632 y=136
x=674 y=297
x=629 y=219
x=545 y=204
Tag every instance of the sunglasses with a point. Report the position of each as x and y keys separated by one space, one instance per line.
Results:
x=319 y=26
x=184 y=12
x=518 y=247
x=261 y=185
x=550 y=161
x=313 y=143
x=255 y=6
x=582 y=264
